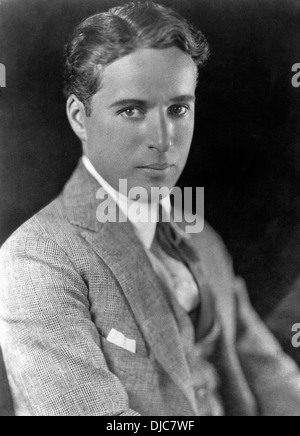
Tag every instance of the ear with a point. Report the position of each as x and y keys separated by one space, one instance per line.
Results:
x=76 y=116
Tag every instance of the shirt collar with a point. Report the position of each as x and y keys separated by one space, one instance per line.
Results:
x=145 y=228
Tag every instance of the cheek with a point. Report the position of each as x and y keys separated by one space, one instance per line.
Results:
x=120 y=135
x=184 y=134
x=109 y=138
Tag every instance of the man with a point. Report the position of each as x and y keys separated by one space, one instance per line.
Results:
x=131 y=317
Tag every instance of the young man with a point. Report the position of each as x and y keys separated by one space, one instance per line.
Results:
x=132 y=317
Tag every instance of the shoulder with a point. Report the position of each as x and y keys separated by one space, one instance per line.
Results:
x=207 y=242
x=41 y=249
x=47 y=224
x=214 y=256
x=37 y=264
x=55 y=221
x=195 y=228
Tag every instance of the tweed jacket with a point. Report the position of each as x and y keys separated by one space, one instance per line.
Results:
x=68 y=279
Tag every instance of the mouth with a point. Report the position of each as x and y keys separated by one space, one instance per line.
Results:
x=157 y=166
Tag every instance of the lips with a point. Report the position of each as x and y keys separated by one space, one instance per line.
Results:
x=157 y=166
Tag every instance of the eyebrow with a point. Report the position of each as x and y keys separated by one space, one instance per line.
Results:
x=138 y=102
x=183 y=98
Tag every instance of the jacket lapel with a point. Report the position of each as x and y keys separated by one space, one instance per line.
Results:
x=121 y=250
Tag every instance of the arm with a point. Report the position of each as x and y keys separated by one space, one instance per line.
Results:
x=50 y=345
x=273 y=376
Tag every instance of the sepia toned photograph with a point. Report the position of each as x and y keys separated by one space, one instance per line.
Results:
x=150 y=210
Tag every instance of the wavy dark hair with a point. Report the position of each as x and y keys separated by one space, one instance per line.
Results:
x=105 y=37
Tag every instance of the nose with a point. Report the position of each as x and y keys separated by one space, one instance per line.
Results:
x=160 y=134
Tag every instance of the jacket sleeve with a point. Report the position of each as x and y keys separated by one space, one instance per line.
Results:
x=50 y=344
x=273 y=376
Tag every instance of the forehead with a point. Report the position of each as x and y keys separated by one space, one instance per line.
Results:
x=149 y=73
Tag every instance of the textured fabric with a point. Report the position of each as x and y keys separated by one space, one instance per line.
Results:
x=183 y=292
x=177 y=277
x=67 y=280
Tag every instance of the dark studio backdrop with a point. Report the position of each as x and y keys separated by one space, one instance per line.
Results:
x=245 y=149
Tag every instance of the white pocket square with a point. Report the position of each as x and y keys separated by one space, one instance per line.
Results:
x=120 y=340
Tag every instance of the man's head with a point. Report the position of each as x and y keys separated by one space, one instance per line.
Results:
x=130 y=81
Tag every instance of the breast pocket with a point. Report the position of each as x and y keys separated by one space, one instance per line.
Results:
x=127 y=366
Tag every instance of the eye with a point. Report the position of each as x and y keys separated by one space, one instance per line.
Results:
x=178 y=110
x=132 y=112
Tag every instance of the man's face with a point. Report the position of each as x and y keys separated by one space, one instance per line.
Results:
x=142 y=119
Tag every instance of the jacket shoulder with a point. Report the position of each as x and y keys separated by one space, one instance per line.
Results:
x=50 y=223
